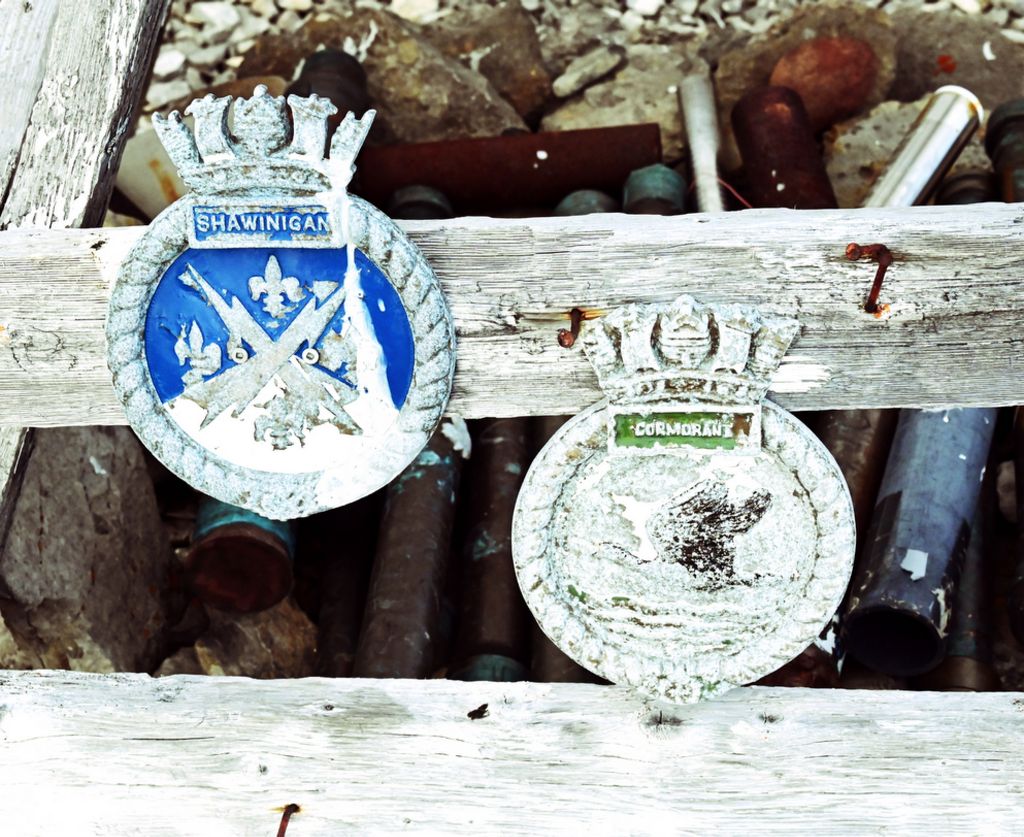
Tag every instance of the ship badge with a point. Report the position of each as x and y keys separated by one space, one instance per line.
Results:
x=685 y=535
x=277 y=342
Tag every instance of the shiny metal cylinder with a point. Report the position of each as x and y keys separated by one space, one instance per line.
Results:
x=700 y=115
x=401 y=622
x=493 y=638
x=586 y=202
x=781 y=158
x=928 y=150
x=901 y=599
x=654 y=190
x=239 y=560
x=1004 y=142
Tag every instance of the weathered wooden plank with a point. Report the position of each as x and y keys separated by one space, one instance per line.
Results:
x=952 y=335
x=95 y=68
x=15 y=444
x=75 y=73
x=118 y=754
x=24 y=48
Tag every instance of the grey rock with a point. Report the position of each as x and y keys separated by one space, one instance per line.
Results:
x=748 y=65
x=856 y=151
x=587 y=69
x=924 y=37
x=169 y=64
x=419 y=93
x=500 y=43
x=642 y=91
x=218 y=19
x=279 y=642
x=164 y=92
x=208 y=58
x=85 y=572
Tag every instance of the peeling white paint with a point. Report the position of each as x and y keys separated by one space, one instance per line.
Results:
x=944 y=613
x=800 y=374
x=456 y=431
x=915 y=562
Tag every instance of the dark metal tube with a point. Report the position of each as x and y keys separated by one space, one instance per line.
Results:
x=1015 y=598
x=586 y=202
x=968 y=663
x=419 y=203
x=548 y=664
x=1004 y=142
x=403 y=606
x=781 y=159
x=239 y=560
x=967 y=187
x=494 y=623
x=898 y=615
x=343 y=580
x=335 y=75
x=654 y=190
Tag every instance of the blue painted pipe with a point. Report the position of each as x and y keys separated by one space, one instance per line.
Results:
x=901 y=600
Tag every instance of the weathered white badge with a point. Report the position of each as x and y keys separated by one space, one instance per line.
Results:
x=277 y=343
x=684 y=536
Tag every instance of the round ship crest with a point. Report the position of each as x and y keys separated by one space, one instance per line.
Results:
x=277 y=343
x=684 y=537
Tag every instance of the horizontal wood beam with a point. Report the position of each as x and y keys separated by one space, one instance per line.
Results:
x=120 y=754
x=952 y=335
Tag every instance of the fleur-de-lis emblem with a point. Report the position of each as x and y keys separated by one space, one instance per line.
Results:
x=203 y=359
x=276 y=288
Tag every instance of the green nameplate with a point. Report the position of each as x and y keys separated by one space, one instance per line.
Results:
x=705 y=429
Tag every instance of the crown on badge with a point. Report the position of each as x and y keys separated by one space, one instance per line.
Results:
x=265 y=150
x=686 y=350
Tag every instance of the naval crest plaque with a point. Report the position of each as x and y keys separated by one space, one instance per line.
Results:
x=277 y=342
x=685 y=535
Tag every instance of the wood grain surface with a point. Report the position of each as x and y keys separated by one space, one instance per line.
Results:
x=951 y=335
x=113 y=754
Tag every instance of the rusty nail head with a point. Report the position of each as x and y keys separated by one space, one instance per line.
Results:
x=567 y=337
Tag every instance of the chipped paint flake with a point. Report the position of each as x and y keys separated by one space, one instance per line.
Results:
x=915 y=562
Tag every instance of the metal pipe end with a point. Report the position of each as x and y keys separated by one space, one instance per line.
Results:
x=972 y=100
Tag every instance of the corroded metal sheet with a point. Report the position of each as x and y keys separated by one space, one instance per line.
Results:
x=277 y=343
x=684 y=536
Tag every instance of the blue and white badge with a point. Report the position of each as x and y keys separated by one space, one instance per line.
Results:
x=278 y=343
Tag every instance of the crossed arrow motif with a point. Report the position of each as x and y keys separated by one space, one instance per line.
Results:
x=237 y=387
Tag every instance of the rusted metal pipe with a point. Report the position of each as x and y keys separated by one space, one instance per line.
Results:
x=239 y=561
x=494 y=623
x=484 y=175
x=403 y=606
x=781 y=159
